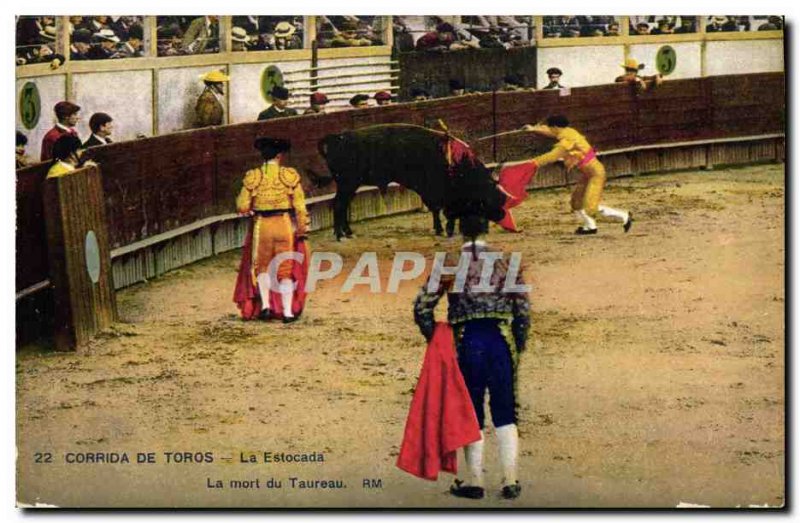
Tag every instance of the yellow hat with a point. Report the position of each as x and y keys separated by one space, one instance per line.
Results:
x=631 y=63
x=284 y=30
x=215 y=76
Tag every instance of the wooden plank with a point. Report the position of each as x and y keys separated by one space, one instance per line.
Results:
x=74 y=214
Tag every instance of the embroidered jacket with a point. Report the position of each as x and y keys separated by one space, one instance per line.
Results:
x=511 y=308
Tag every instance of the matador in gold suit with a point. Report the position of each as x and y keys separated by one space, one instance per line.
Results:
x=575 y=151
x=273 y=195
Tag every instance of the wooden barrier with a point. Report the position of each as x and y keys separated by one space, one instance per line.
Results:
x=158 y=190
x=80 y=260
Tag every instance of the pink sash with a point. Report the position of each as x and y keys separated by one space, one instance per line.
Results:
x=591 y=155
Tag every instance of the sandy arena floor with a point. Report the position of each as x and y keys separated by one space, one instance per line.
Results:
x=654 y=375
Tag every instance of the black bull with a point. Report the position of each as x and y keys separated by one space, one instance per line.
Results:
x=413 y=157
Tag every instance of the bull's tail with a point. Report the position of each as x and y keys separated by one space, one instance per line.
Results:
x=322 y=148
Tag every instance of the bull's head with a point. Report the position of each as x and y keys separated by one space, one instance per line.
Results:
x=474 y=190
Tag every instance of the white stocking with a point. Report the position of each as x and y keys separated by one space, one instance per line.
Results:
x=263 y=289
x=508 y=438
x=473 y=453
x=588 y=221
x=610 y=212
x=286 y=297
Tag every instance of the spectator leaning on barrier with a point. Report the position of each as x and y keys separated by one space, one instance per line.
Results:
x=383 y=98
x=21 y=158
x=442 y=39
x=280 y=105
x=612 y=29
x=554 y=75
x=67 y=116
x=201 y=35
x=632 y=77
x=359 y=101
x=318 y=101
x=209 y=109
x=101 y=126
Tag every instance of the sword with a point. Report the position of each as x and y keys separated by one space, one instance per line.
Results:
x=504 y=133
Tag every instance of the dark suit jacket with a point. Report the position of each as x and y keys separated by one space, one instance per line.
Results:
x=271 y=113
x=93 y=142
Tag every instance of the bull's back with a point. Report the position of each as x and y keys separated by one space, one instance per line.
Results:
x=407 y=154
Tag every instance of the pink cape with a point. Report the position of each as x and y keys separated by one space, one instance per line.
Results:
x=246 y=294
x=441 y=418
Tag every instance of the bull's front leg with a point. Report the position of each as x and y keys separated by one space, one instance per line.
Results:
x=437 y=222
x=451 y=226
x=339 y=212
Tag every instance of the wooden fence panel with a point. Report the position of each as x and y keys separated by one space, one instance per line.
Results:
x=31 y=237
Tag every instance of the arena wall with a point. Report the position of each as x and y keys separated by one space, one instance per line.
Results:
x=744 y=56
x=126 y=95
x=582 y=66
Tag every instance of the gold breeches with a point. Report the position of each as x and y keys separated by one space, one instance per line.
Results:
x=272 y=235
x=589 y=190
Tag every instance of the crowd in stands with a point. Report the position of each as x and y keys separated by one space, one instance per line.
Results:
x=91 y=38
x=349 y=31
x=730 y=23
x=569 y=26
x=36 y=38
x=659 y=25
x=437 y=33
x=181 y=35
x=266 y=33
x=108 y=37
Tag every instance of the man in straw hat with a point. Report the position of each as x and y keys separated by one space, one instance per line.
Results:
x=632 y=77
x=239 y=39
x=280 y=105
x=273 y=196
x=106 y=45
x=286 y=37
x=209 y=110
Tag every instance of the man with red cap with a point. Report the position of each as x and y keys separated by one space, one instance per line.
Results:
x=318 y=101
x=67 y=116
x=383 y=98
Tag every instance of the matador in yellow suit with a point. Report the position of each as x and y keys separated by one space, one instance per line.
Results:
x=273 y=195
x=575 y=151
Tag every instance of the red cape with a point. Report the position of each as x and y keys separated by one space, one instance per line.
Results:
x=441 y=418
x=246 y=294
x=513 y=181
